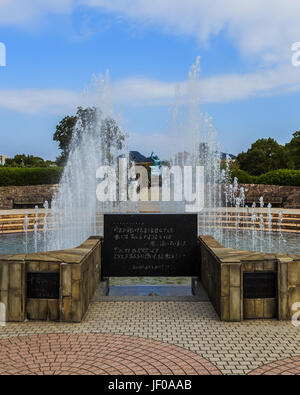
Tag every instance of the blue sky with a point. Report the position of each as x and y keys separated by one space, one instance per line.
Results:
x=248 y=83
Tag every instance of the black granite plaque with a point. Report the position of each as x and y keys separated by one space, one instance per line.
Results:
x=43 y=285
x=150 y=245
x=260 y=285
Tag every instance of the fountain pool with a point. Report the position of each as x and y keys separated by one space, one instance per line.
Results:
x=287 y=243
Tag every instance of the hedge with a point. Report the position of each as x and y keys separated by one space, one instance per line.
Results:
x=284 y=177
x=280 y=177
x=243 y=176
x=16 y=176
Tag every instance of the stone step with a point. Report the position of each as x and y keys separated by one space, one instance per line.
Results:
x=273 y=230
x=13 y=223
x=230 y=225
x=242 y=214
x=244 y=222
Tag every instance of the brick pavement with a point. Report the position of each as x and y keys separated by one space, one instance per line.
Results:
x=287 y=366
x=97 y=353
x=231 y=348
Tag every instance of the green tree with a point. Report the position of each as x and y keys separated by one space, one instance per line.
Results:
x=264 y=155
x=16 y=161
x=112 y=138
x=87 y=120
x=22 y=160
x=63 y=135
x=293 y=150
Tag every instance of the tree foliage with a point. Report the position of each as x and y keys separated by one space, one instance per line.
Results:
x=63 y=135
x=293 y=150
x=264 y=155
x=88 y=120
x=22 y=160
x=111 y=138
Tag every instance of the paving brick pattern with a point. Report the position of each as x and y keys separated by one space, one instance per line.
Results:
x=233 y=348
x=288 y=366
x=98 y=354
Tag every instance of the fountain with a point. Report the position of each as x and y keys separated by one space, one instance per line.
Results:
x=96 y=141
x=25 y=229
x=76 y=213
x=153 y=245
x=45 y=224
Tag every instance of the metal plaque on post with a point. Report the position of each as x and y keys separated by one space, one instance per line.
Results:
x=42 y=285
x=150 y=245
x=260 y=285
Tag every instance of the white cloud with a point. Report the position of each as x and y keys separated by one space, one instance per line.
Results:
x=232 y=87
x=263 y=27
x=39 y=101
x=266 y=28
x=146 y=92
x=215 y=89
x=142 y=91
x=19 y=12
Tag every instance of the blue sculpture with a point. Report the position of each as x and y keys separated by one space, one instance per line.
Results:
x=156 y=161
x=155 y=170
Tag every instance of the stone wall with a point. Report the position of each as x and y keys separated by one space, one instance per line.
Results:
x=221 y=277
x=12 y=287
x=79 y=272
x=222 y=271
x=289 y=284
x=32 y=193
x=290 y=196
x=211 y=271
x=8 y=195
